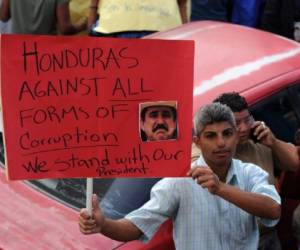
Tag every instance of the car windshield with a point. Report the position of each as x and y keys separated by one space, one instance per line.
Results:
x=118 y=196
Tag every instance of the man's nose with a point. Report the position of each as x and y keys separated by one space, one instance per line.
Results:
x=242 y=127
x=160 y=119
x=220 y=141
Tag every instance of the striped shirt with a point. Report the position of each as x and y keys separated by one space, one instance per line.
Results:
x=202 y=220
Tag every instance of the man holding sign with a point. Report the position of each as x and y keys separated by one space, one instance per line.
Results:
x=215 y=209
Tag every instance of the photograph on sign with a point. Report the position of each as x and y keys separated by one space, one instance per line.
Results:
x=158 y=121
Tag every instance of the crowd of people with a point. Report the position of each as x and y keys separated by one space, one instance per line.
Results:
x=131 y=19
x=235 y=171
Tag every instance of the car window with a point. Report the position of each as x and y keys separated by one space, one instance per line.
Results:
x=279 y=112
x=118 y=196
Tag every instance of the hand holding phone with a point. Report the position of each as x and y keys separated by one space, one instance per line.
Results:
x=253 y=137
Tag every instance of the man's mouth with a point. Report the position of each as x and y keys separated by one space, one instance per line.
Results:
x=160 y=131
x=243 y=137
x=160 y=128
x=222 y=153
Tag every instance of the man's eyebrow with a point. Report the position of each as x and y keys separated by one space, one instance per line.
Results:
x=228 y=129
x=209 y=132
x=153 y=112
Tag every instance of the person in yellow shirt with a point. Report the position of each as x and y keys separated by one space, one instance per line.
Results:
x=134 y=18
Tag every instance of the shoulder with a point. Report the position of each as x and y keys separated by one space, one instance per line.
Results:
x=262 y=148
x=171 y=185
x=250 y=176
x=246 y=169
x=167 y=182
x=251 y=148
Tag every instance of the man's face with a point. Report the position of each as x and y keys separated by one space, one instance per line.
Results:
x=159 y=123
x=244 y=121
x=217 y=143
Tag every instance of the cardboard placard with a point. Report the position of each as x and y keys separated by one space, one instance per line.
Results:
x=71 y=106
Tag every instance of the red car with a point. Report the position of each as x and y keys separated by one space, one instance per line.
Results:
x=263 y=67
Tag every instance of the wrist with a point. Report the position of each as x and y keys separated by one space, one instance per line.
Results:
x=274 y=143
x=220 y=189
x=103 y=225
x=94 y=4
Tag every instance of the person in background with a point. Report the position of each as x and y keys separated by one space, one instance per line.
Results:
x=134 y=19
x=296 y=224
x=297 y=31
x=268 y=152
x=243 y=12
x=297 y=137
x=39 y=17
x=247 y=12
x=215 y=207
x=218 y=10
x=281 y=17
x=5 y=27
x=296 y=214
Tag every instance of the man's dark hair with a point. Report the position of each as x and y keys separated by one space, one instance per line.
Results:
x=233 y=100
x=173 y=110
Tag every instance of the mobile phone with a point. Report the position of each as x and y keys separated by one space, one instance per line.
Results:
x=252 y=136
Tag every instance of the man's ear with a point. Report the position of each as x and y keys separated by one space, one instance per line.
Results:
x=142 y=125
x=236 y=137
x=196 y=140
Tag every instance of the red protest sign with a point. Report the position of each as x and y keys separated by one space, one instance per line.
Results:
x=90 y=107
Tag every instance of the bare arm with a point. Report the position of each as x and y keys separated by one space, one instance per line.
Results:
x=93 y=13
x=183 y=10
x=64 y=21
x=120 y=230
x=4 y=11
x=285 y=152
x=256 y=204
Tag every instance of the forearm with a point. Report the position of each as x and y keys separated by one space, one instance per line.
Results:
x=70 y=29
x=4 y=11
x=256 y=204
x=76 y=28
x=183 y=10
x=287 y=155
x=120 y=230
x=65 y=25
x=93 y=13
